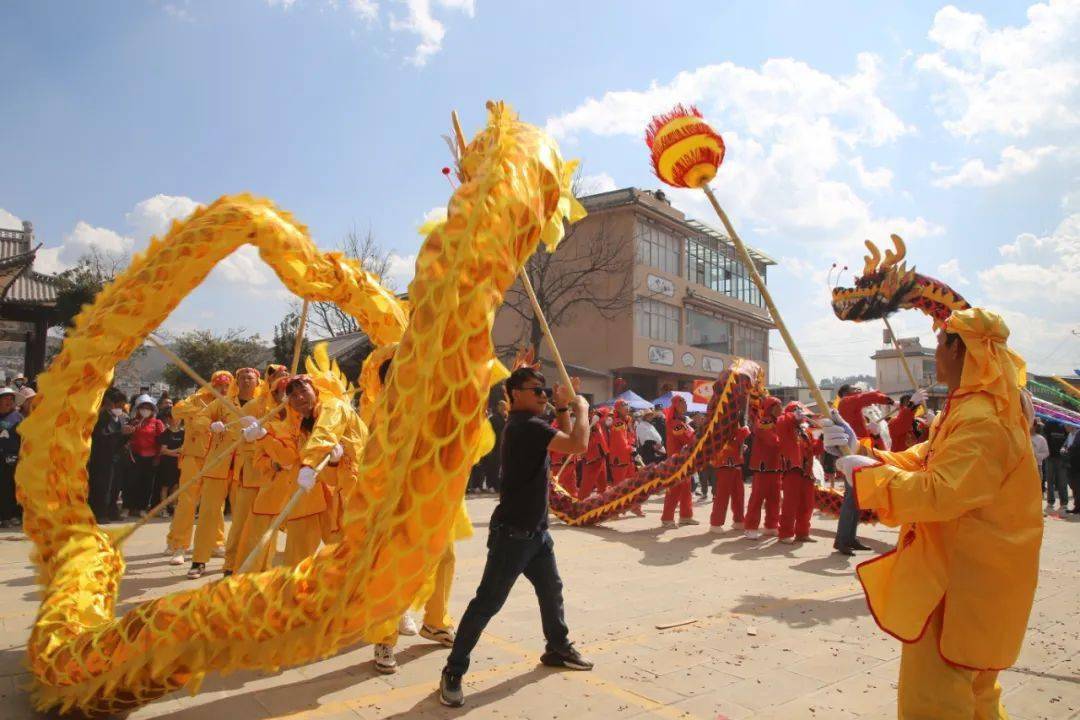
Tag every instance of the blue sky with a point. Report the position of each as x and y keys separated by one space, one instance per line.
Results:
x=953 y=126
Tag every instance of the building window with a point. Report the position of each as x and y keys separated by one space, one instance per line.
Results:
x=717 y=268
x=657 y=247
x=656 y=320
x=929 y=371
x=708 y=331
x=752 y=343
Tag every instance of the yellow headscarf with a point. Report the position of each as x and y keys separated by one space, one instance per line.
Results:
x=990 y=366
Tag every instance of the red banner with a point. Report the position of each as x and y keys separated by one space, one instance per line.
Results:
x=703 y=391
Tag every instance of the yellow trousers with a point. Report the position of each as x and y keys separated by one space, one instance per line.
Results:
x=211 y=517
x=240 y=500
x=932 y=689
x=437 y=607
x=302 y=538
x=183 y=520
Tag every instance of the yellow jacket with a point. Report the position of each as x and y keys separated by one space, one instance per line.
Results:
x=969 y=506
x=277 y=459
x=196 y=424
x=218 y=411
x=335 y=422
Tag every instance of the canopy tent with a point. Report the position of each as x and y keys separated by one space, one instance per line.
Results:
x=691 y=406
x=635 y=401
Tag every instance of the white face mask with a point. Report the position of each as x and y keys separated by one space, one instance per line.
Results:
x=608 y=422
x=145 y=412
x=117 y=412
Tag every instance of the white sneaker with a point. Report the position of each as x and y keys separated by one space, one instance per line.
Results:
x=406 y=625
x=384 y=659
x=219 y=551
x=443 y=636
x=1048 y=509
x=788 y=540
x=689 y=521
x=752 y=535
x=716 y=529
x=168 y=552
x=668 y=524
x=177 y=558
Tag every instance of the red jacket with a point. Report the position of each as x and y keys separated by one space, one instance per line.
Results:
x=144 y=441
x=679 y=432
x=900 y=429
x=789 y=437
x=620 y=441
x=598 y=446
x=731 y=454
x=851 y=408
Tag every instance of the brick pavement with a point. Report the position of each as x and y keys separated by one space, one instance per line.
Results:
x=780 y=632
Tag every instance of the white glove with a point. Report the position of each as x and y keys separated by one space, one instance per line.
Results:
x=930 y=415
x=336 y=453
x=849 y=463
x=837 y=436
x=918 y=397
x=254 y=432
x=247 y=421
x=217 y=427
x=306 y=478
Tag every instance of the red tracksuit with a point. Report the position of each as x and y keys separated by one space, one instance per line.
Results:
x=594 y=470
x=767 y=466
x=797 y=450
x=679 y=435
x=729 y=480
x=851 y=408
x=621 y=449
x=900 y=429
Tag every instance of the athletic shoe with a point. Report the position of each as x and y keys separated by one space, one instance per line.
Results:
x=788 y=540
x=666 y=524
x=1048 y=509
x=443 y=636
x=845 y=551
x=805 y=539
x=219 y=551
x=450 y=693
x=569 y=658
x=168 y=552
x=859 y=546
x=177 y=558
x=689 y=521
x=384 y=659
x=197 y=571
x=406 y=625
x=752 y=535
x=716 y=529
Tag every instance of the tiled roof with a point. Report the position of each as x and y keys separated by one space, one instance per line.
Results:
x=33 y=288
x=29 y=287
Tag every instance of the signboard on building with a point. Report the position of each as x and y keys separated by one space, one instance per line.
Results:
x=703 y=391
x=711 y=364
x=688 y=359
x=661 y=355
x=660 y=286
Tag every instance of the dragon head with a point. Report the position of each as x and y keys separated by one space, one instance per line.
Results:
x=888 y=284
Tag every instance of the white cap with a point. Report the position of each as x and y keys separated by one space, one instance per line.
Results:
x=7 y=391
x=145 y=400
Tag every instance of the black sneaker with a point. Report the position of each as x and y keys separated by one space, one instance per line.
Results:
x=450 y=693
x=226 y=573
x=569 y=658
x=197 y=571
x=859 y=546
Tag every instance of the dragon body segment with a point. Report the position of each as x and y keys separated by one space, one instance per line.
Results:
x=412 y=474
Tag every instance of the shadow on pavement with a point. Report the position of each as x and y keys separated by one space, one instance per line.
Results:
x=429 y=705
x=800 y=612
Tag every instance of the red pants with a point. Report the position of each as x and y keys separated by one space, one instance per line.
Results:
x=593 y=477
x=678 y=495
x=798 y=504
x=729 y=485
x=765 y=489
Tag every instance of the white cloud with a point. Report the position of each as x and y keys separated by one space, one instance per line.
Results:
x=1042 y=273
x=7 y=220
x=1011 y=80
x=435 y=214
x=367 y=10
x=949 y=271
x=83 y=239
x=401 y=270
x=876 y=179
x=974 y=173
x=154 y=215
x=244 y=267
x=598 y=183
x=177 y=12
x=422 y=23
x=791 y=133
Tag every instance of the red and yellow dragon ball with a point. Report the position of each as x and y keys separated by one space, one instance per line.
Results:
x=685 y=151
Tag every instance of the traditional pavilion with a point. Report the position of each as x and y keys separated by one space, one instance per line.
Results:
x=27 y=298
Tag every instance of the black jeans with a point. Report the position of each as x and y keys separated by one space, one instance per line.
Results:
x=9 y=508
x=139 y=483
x=510 y=555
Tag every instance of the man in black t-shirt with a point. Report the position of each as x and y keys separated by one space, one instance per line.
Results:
x=518 y=540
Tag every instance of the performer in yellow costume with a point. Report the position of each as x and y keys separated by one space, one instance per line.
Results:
x=193 y=454
x=437 y=625
x=958 y=588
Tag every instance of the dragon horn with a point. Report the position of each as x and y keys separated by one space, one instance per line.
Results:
x=872 y=259
x=893 y=258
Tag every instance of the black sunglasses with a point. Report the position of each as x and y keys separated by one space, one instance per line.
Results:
x=537 y=391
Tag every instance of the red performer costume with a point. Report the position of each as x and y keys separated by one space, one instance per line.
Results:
x=797 y=450
x=729 y=481
x=679 y=435
x=851 y=409
x=621 y=445
x=594 y=469
x=901 y=429
x=767 y=466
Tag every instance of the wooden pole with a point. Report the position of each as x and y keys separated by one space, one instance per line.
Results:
x=903 y=358
x=299 y=338
x=268 y=536
x=823 y=407
x=187 y=369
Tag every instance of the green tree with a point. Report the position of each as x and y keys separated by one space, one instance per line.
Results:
x=78 y=286
x=285 y=340
x=206 y=352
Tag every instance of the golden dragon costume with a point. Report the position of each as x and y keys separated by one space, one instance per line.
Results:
x=515 y=194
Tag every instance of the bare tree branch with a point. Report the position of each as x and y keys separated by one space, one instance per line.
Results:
x=326 y=318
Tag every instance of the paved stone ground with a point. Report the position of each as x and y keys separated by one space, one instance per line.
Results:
x=779 y=632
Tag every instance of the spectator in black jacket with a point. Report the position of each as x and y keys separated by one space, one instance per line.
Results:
x=1055 y=466
x=105 y=440
x=1072 y=452
x=10 y=512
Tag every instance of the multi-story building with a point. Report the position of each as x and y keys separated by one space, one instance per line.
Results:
x=692 y=307
x=891 y=377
